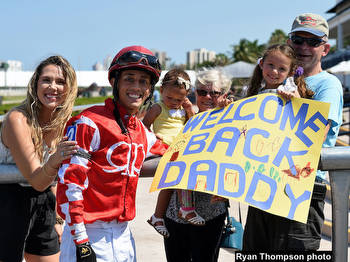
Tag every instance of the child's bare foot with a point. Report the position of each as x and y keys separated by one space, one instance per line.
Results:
x=192 y=217
x=159 y=226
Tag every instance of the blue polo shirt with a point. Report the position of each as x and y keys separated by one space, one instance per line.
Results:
x=328 y=88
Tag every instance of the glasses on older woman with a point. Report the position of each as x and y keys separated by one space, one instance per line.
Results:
x=213 y=94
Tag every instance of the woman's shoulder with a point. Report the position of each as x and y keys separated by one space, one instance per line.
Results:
x=15 y=122
x=16 y=117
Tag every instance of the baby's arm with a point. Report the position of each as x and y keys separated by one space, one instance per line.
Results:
x=187 y=105
x=151 y=115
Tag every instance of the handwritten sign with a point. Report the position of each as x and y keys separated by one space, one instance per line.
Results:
x=262 y=151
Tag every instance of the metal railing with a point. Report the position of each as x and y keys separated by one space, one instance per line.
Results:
x=336 y=160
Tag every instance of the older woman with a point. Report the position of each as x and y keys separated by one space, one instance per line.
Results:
x=199 y=243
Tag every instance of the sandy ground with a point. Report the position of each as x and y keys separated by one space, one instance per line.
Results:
x=149 y=244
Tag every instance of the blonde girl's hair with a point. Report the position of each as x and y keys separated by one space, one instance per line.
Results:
x=288 y=51
x=177 y=77
x=214 y=77
x=31 y=106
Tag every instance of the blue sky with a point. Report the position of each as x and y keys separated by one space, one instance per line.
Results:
x=87 y=31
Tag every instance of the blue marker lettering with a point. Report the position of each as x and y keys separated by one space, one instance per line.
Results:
x=264 y=205
x=231 y=142
x=295 y=201
x=212 y=116
x=199 y=144
x=310 y=123
x=284 y=152
x=288 y=114
x=228 y=120
x=247 y=145
x=180 y=165
x=193 y=122
x=210 y=174
x=241 y=180
x=278 y=111
x=238 y=116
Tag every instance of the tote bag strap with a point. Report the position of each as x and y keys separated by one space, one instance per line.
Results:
x=228 y=214
x=239 y=210
x=227 y=204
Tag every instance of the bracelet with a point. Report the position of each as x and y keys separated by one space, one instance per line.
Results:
x=46 y=173
x=59 y=221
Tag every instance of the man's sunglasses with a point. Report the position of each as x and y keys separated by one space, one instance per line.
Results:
x=312 y=42
x=138 y=58
x=213 y=94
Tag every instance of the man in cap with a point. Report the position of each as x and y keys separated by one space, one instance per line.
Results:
x=264 y=231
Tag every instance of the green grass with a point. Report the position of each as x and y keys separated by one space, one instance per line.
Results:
x=79 y=101
x=6 y=108
x=13 y=98
x=89 y=100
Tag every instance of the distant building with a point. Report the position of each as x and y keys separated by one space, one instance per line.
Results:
x=13 y=65
x=107 y=62
x=339 y=24
x=162 y=57
x=339 y=29
x=97 y=67
x=199 y=56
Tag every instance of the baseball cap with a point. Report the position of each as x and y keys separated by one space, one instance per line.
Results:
x=311 y=23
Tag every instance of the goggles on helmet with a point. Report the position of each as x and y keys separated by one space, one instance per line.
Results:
x=134 y=57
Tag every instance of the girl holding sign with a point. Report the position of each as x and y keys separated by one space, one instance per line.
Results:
x=277 y=72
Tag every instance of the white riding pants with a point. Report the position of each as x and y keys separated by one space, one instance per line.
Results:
x=111 y=241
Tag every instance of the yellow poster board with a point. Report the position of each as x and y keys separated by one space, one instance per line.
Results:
x=261 y=150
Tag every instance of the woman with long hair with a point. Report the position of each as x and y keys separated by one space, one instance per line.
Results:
x=31 y=137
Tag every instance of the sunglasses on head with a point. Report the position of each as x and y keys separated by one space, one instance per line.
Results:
x=202 y=92
x=312 y=42
x=138 y=58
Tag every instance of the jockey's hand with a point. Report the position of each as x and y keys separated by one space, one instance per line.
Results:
x=85 y=253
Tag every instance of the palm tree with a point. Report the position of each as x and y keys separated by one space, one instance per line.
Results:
x=205 y=64
x=247 y=51
x=222 y=60
x=278 y=37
